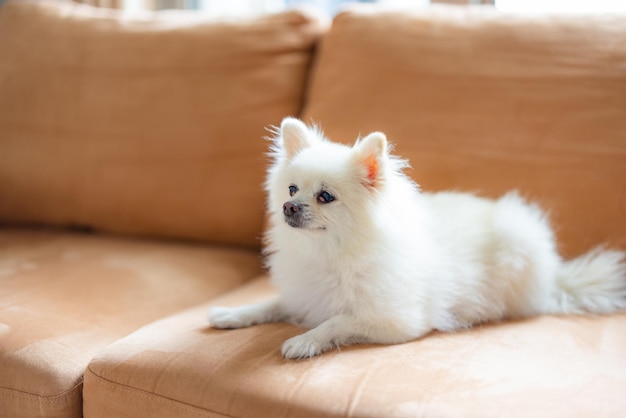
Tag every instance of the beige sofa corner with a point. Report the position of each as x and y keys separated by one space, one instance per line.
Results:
x=477 y=101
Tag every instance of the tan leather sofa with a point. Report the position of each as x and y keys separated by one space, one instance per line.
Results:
x=131 y=163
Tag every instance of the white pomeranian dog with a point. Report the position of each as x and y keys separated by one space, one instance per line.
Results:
x=359 y=255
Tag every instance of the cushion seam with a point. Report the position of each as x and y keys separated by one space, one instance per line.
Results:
x=16 y=393
x=153 y=396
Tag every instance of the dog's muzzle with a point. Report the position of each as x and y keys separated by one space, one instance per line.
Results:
x=293 y=214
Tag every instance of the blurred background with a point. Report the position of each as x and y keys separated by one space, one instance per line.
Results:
x=241 y=7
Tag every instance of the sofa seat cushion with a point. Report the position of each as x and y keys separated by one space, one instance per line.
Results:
x=484 y=101
x=541 y=367
x=64 y=297
x=149 y=124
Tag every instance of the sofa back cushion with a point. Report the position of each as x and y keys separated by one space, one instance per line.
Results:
x=485 y=102
x=150 y=125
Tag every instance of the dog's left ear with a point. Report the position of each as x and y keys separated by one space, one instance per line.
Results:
x=371 y=156
x=294 y=135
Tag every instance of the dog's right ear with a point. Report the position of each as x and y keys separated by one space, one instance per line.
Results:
x=294 y=135
x=371 y=158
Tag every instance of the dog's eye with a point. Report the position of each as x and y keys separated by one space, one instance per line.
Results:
x=293 y=189
x=325 y=197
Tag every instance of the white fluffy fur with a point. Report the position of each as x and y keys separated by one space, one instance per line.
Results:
x=384 y=263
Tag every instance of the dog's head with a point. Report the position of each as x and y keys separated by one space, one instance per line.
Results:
x=315 y=185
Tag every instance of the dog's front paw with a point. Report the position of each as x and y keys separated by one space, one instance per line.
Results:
x=226 y=318
x=304 y=346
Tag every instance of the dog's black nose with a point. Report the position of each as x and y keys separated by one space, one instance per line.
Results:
x=291 y=208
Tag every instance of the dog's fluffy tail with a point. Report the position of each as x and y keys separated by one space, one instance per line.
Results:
x=594 y=283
